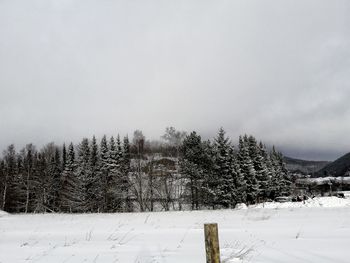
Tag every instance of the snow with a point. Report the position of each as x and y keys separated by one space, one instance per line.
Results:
x=317 y=231
x=312 y=202
x=241 y=206
x=346 y=194
x=2 y=213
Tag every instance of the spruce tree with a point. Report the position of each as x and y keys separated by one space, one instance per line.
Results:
x=19 y=183
x=56 y=171
x=41 y=184
x=64 y=156
x=207 y=176
x=104 y=172
x=282 y=181
x=69 y=200
x=263 y=173
x=194 y=165
x=224 y=188
x=2 y=182
x=248 y=170
x=277 y=181
x=94 y=191
x=256 y=154
x=121 y=180
x=240 y=185
x=83 y=171
x=112 y=180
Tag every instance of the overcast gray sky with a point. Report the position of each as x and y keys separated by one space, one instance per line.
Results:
x=279 y=70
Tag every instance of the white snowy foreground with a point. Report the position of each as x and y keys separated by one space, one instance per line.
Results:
x=318 y=231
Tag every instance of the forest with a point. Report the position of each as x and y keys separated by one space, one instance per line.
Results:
x=180 y=172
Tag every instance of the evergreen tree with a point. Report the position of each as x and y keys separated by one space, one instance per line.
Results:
x=28 y=154
x=224 y=192
x=2 y=182
x=69 y=200
x=280 y=181
x=277 y=180
x=104 y=179
x=112 y=202
x=256 y=152
x=64 y=156
x=208 y=178
x=272 y=183
x=41 y=184
x=104 y=172
x=194 y=165
x=240 y=189
x=248 y=170
x=121 y=180
x=84 y=171
x=55 y=171
x=18 y=183
x=94 y=191
x=263 y=172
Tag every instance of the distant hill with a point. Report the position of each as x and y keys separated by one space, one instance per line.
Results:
x=304 y=166
x=337 y=168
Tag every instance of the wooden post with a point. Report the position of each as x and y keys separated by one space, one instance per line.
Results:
x=212 y=248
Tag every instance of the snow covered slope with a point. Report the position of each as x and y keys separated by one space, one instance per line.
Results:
x=289 y=234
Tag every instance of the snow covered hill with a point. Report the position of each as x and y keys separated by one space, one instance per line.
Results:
x=304 y=166
x=318 y=231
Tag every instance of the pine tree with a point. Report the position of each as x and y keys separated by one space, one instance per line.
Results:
x=206 y=177
x=112 y=203
x=28 y=173
x=55 y=171
x=69 y=200
x=277 y=181
x=280 y=182
x=240 y=189
x=94 y=191
x=256 y=154
x=272 y=185
x=263 y=173
x=64 y=156
x=100 y=179
x=2 y=182
x=195 y=165
x=19 y=181
x=247 y=168
x=40 y=183
x=104 y=172
x=121 y=180
x=224 y=188
x=83 y=171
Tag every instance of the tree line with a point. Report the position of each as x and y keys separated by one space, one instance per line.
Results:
x=116 y=175
x=222 y=176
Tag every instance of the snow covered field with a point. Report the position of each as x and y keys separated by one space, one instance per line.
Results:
x=318 y=231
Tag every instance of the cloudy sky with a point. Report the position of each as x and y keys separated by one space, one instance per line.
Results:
x=279 y=70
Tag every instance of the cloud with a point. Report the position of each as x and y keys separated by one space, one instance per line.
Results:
x=277 y=70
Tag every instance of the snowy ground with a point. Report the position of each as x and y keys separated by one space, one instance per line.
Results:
x=318 y=231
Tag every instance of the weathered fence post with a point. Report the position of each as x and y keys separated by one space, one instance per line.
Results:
x=212 y=248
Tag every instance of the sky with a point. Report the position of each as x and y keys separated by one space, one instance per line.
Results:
x=279 y=70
